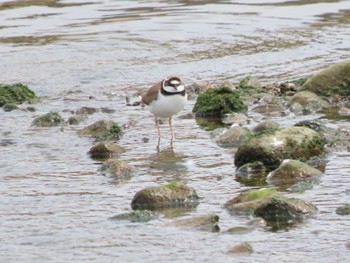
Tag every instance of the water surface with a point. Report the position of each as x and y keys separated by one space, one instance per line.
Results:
x=55 y=204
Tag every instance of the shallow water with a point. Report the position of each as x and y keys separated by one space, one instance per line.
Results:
x=55 y=204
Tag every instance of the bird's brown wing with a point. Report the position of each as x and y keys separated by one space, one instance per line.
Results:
x=151 y=94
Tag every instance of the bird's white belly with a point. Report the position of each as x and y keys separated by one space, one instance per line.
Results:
x=167 y=106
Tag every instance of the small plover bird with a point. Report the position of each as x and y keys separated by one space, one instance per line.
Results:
x=165 y=99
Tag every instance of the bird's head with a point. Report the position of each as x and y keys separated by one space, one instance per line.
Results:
x=173 y=85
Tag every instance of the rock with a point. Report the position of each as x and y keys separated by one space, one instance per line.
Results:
x=102 y=130
x=249 y=82
x=234 y=136
x=275 y=209
x=139 y=216
x=16 y=94
x=273 y=108
x=271 y=148
x=51 y=119
x=238 y=230
x=291 y=172
x=174 y=194
x=10 y=107
x=227 y=84
x=243 y=248
x=86 y=111
x=279 y=213
x=247 y=202
x=266 y=126
x=217 y=102
x=75 y=120
x=203 y=223
x=235 y=118
x=343 y=210
x=344 y=111
x=332 y=81
x=252 y=174
x=333 y=138
x=306 y=101
x=102 y=151
x=118 y=169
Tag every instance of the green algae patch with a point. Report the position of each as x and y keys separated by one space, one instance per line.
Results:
x=260 y=194
x=215 y=102
x=173 y=185
x=16 y=94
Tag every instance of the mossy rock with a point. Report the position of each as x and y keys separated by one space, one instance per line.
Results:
x=214 y=103
x=16 y=94
x=174 y=194
x=332 y=81
x=272 y=147
x=50 y=119
x=102 y=131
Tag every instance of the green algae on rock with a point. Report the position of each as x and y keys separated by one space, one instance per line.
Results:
x=174 y=194
x=102 y=130
x=215 y=102
x=16 y=94
x=50 y=119
x=272 y=147
x=331 y=81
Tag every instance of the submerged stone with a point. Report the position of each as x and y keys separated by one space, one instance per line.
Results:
x=234 y=136
x=215 y=102
x=102 y=130
x=252 y=174
x=243 y=248
x=174 y=194
x=137 y=216
x=332 y=81
x=271 y=148
x=120 y=170
x=203 y=223
x=51 y=119
x=343 y=210
x=16 y=94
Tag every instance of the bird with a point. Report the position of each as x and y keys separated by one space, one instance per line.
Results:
x=164 y=100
